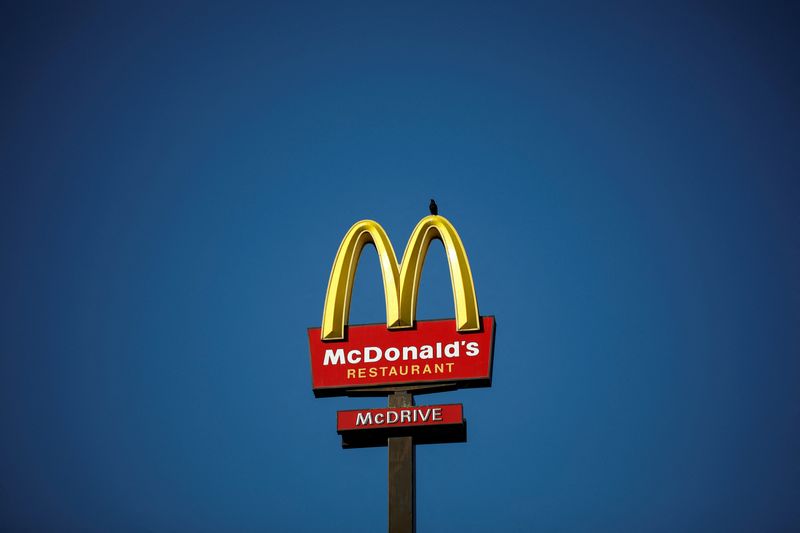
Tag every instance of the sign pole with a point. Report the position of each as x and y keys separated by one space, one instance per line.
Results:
x=402 y=475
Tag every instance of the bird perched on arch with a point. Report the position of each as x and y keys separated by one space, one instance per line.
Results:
x=433 y=207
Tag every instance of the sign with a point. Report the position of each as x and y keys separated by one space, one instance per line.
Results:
x=433 y=352
x=404 y=357
x=428 y=424
x=404 y=352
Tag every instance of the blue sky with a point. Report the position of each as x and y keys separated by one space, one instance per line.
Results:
x=176 y=180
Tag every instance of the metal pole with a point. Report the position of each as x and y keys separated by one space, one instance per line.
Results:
x=402 y=474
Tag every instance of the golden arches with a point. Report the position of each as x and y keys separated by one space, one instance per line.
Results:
x=400 y=282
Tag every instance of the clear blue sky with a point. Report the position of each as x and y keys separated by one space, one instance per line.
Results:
x=176 y=178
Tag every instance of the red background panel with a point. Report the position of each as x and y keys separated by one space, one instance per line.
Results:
x=465 y=370
x=450 y=414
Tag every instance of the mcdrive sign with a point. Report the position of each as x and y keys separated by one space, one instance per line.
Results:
x=404 y=351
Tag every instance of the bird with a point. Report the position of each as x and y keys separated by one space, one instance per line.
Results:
x=433 y=207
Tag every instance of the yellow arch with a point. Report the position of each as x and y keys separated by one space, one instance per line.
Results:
x=400 y=281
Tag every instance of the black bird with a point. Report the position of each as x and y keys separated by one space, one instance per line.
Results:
x=433 y=207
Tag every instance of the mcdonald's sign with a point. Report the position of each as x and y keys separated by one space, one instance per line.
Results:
x=347 y=358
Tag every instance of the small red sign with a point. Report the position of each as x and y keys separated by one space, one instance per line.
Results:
x=432 y=352
x=418 y=415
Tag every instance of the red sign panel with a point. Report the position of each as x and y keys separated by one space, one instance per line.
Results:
x=420 y=415
x=433 y=352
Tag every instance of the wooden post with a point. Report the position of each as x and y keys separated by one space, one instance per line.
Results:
x=402 y=475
